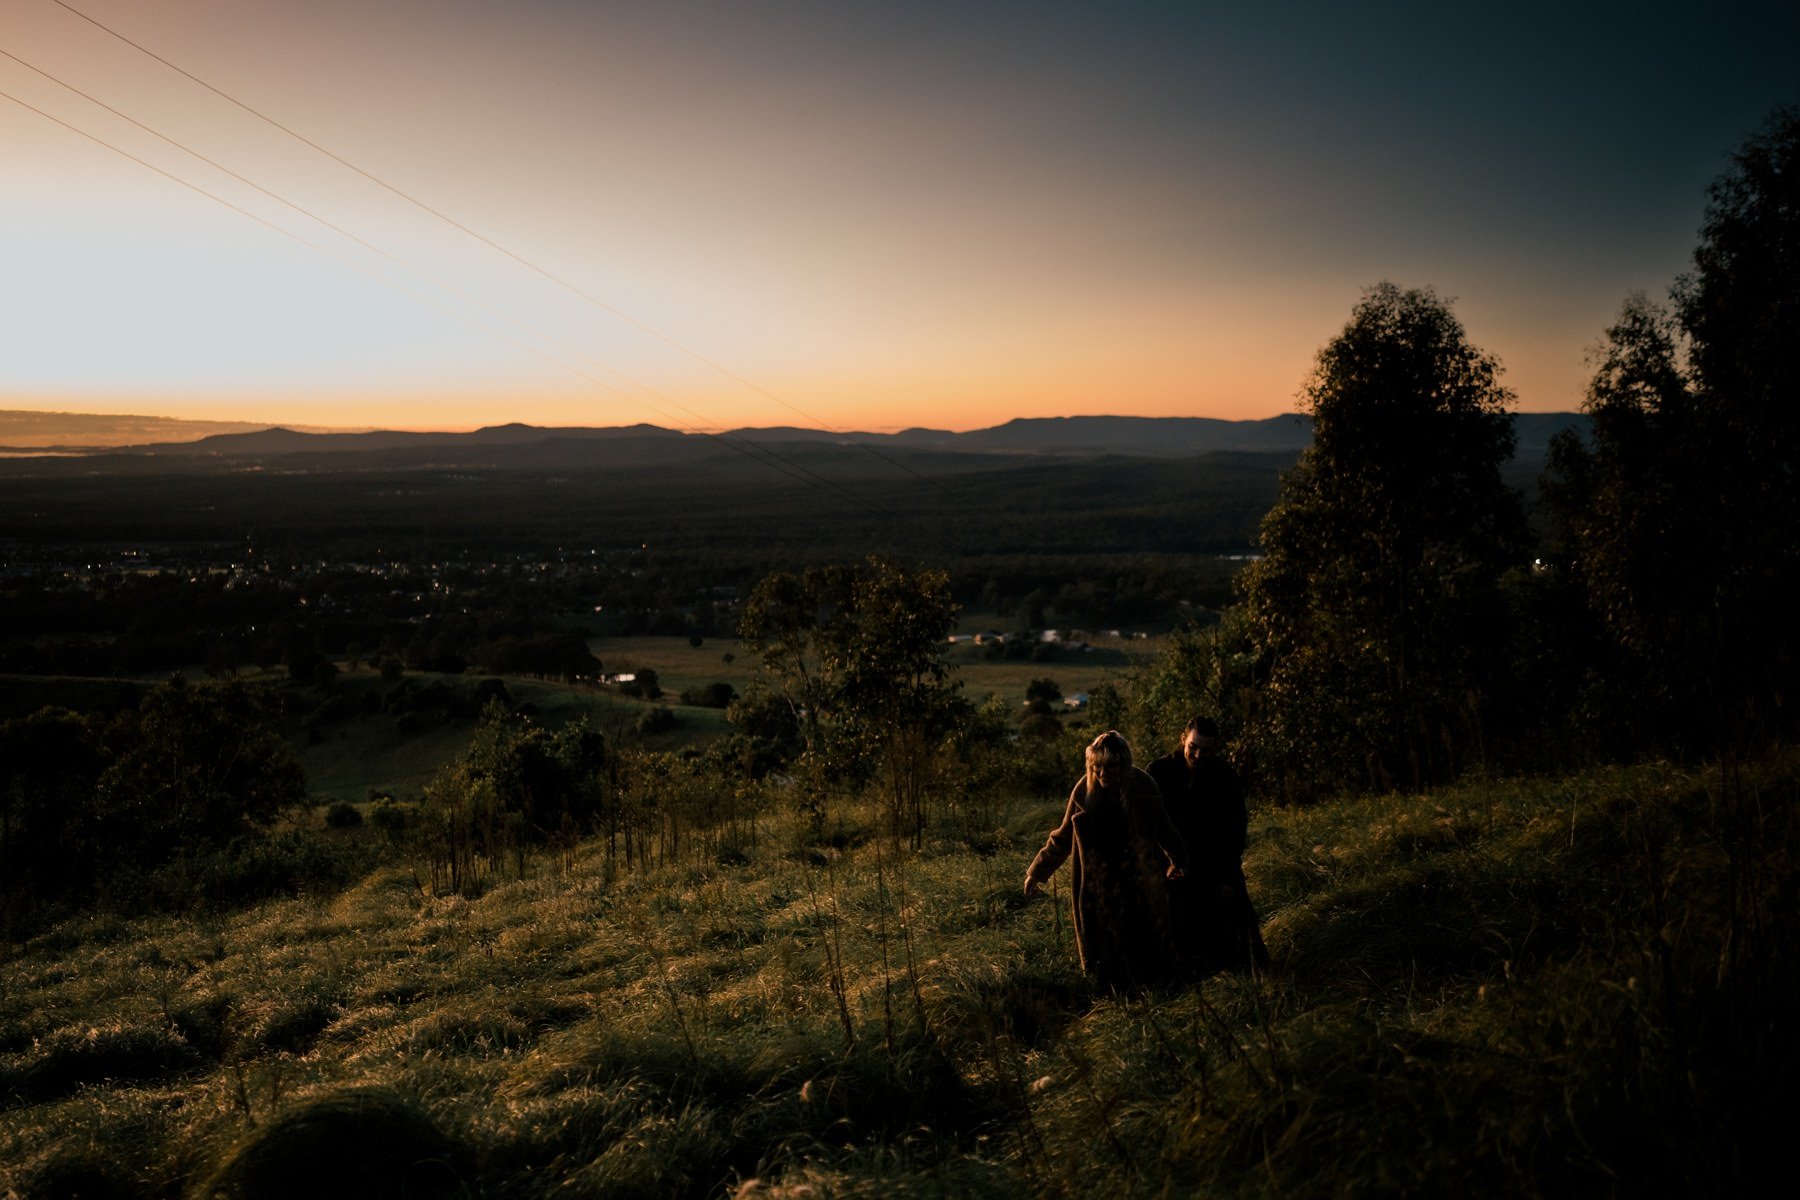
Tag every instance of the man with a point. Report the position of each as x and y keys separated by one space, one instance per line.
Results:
x=1214 y=922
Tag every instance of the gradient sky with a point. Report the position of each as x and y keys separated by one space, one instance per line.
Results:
x=871 y=215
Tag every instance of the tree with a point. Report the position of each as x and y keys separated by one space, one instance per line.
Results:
x=767 y=723
x=518 y=786
x=50 y=763
x=857 y=654
x=646 y=685
x=712 y=695
x=1637 y=511
x=1740 y=308
x=1378 y=588
x=194 y=767
x=1681 y=520
x=1741 y=303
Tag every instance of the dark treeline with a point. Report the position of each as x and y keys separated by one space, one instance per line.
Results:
x=130 y=564
x=165 y=802
x=813 y=502
x=515 y=617
x=1402 y=627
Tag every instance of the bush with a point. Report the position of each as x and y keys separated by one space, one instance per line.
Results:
x=73 y=1057
x=660 y=719
x=94 y=808
x=713 y=695
x=388 y=817
x=343 y=815
x=245 y=871
x=363 y=1142
x=519 y=786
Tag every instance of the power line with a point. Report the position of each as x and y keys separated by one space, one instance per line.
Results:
x=517 y=258
x=748 y=449
x=430 y=278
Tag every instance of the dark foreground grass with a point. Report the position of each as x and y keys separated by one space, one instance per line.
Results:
x=1578 y=986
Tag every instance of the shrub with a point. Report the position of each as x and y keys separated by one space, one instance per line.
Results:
x=660 y=719
x=72 y=1057
x=86 y=1171
x=362 y=1142
x=713 y=695
x=388 y=817
x=343 y=815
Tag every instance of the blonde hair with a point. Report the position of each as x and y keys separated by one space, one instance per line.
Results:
x=1109 y=747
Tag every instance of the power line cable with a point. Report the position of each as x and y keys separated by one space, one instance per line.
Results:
x=517 y=258
x=441 y=283
x=748 y=449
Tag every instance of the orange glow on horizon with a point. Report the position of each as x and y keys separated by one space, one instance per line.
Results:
x=1161 y=222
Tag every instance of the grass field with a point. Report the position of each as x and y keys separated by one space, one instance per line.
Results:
x=1569 y=986
x=679 y=665
x=364 y=752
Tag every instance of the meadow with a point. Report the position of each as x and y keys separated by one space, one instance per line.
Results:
x=1577 y=985
x=362 y=752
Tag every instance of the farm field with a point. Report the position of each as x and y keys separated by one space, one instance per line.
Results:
x=364 y=752
x=360 y=750
x=679 y=665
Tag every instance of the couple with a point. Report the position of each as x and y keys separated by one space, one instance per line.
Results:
x=1158 y=886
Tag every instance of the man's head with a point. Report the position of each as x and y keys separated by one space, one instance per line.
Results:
x=1200 y=740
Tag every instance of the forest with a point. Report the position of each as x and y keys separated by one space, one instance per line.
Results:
x=1525 y=831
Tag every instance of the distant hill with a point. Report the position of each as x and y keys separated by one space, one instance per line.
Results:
x=288 y=441
x=31 y=432
x=1535 y=430
x=1159 y=437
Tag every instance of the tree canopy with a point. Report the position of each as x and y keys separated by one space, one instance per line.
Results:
x=856 y=651
x=1377 y=594
x=1681 y=519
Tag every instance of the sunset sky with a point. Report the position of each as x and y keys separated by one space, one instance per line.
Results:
x=860 y=215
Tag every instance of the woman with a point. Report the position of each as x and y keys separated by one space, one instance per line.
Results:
x=1124 y=847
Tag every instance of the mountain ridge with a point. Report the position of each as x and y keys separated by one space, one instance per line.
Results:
x=1154 y=437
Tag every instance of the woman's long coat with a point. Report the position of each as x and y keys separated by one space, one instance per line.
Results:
x=1122 y=844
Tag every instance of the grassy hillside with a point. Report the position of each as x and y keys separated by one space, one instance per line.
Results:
x=1566 y=986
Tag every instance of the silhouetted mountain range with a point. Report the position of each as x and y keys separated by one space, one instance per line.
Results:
x=1155 y=437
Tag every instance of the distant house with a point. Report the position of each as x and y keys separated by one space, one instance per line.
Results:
x=1050 y=635
x=990 y=638
x=628 y=677
x=1076 y=701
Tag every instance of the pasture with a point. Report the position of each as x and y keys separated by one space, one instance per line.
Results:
x=363 y=750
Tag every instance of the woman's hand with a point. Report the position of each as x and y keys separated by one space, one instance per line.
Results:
x=1174 y=872
x=1031 y=886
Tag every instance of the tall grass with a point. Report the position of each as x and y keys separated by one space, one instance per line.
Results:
x=1573 y=985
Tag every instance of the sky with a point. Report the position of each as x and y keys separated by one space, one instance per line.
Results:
x=870 y=216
